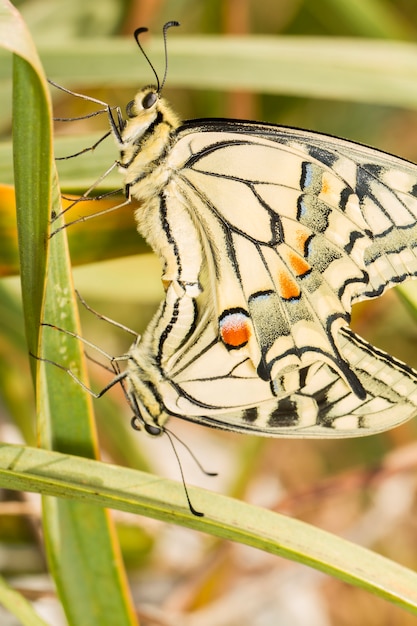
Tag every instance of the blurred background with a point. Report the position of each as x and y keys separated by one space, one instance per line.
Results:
x=362 y=489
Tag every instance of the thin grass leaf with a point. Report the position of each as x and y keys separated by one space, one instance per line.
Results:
x=381 y=72
x=352 y=69
x=19 y=606
x=76 y=530
x=32 y=166
x=73 y=531
x=129 y=490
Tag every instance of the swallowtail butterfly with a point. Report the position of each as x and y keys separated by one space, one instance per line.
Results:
x=267 y=235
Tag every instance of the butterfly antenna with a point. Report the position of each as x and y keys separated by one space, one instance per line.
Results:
x=136 y=34
x=190 y=506
x=141 y=30
x=190 y=452
x=164 y=31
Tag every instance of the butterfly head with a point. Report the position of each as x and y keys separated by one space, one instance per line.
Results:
x=141 y=419
x=152 y=430
x=148 y=106
x=141 y=390
x=147 y=112
x=146 y=101
x=141 y=112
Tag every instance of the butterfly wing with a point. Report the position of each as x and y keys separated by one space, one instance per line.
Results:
x=268 y=236
x=295 y=227
x=386 y=187
x=198 y=378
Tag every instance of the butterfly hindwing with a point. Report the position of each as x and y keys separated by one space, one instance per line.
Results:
x=205 y=382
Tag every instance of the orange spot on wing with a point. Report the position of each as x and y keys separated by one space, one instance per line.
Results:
x=300 y=239
x=298 y=264
x=325 y=186
x=288 y=288
x=235 y=330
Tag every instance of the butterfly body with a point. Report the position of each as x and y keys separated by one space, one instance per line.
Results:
x=267 y=236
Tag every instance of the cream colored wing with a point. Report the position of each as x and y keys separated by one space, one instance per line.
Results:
x=182 y=369
x=293 y=232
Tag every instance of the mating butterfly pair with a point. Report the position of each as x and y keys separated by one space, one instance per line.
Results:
x=267 y=236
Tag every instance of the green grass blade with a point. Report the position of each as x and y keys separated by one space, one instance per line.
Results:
x=129 y=490
x=18 y=606
x=32 y=166
x=382 y=72
x=74 y=531
x=362 y=70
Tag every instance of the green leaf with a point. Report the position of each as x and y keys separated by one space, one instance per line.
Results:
x=73 y=530
x=32 y=167
x=130 y=490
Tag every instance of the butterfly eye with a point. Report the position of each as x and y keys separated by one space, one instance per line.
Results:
x=149 y=100
x=153 y=430
x=130 y=112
